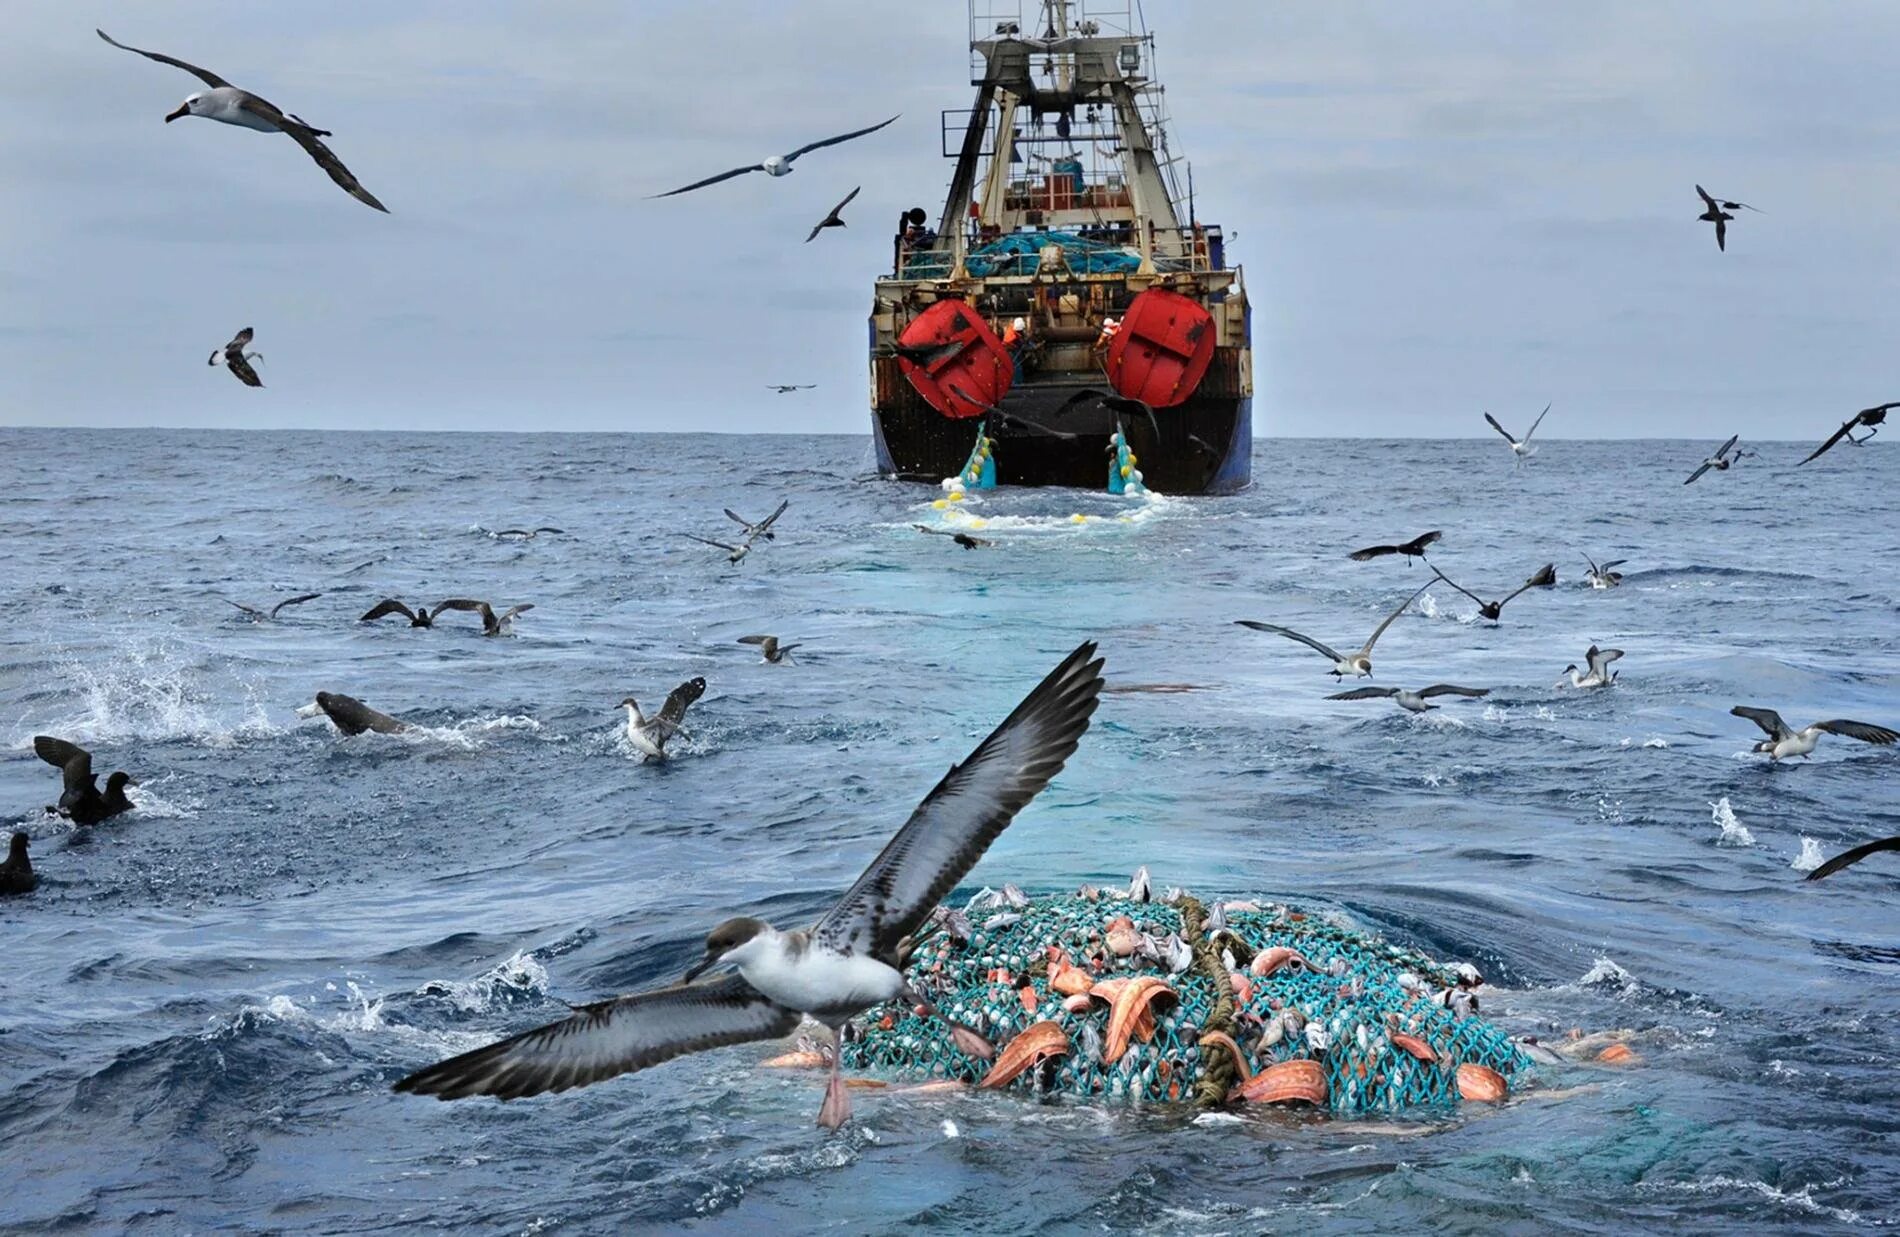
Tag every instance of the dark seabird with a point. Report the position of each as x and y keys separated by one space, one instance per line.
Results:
x=81 y=799
x=529 y=534
x=1121 y=405
x=763 y=528
x=991 y=412
x=351 y=715
x=1546 y=577
x=849 y=961
x=1717 y=216
x=237 y=360
x=1357 y=665
x=1601 y=575
x=1721 y=461
x=832 y=220
x=492 y=624
x=17 y=874
x=225 y=102
x=259 y=616
x=963 y=539
x=1411 y=702
x=1520 y=451
x=1783 y=742
x=1600 y=673
x=769 y=646
x=734 y=553
x=650 y=734
x=418 y=617
x=777 y=165
x=786 y=388
x=1846 y=859
x=1870 y=418
x=1415 y=548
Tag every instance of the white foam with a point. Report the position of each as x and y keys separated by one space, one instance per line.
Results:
x=1800 y=1200
x=1605 y=972
x=1811 y=856
x=521 y=974
x=151 y=689
x=1734 y=832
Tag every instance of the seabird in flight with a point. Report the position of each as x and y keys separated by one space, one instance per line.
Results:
x=418 y=617
x=1600 y=673
x=258 y=616
x=1721 y=460
x=1871 y=418
x=1846 y=859
x=1600 y=575
x=1546 y=577
x=1521 y=451
x=492 y=624
x=832 y=220
x=351 y=715
x=80 y=799
x=1411 y=702
x=649 y=734
x=237 y=360
x=848 y=962
x=734 y=553
x=763 y=528
x=1783 y=742
x=1717 y=216
x=225 y=102
x=16 y=874
x=1415 y=548
x=1356 y=665
x=786 y=388
x=770 y=648
x=777 y=165
x=963 y=539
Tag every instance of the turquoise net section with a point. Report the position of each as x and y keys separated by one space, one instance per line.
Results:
x=1352 y=991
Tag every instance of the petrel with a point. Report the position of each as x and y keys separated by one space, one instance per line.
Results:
x=1356 y=665
x=1717 y=214
x=418 y=617
x=777 y=165
x=1520 y=451
x=16 y=874
x=237 y=360
x=848 y=962
x=1600 y=674
x=763 y=528
x=963 y=539
x=786 y=388
x=1415 y=548
x=649 y=734
x=1721 y=461
x=492 y=624
x=1545 y=577
x=80 y=799
x=257 y=615
x=1870 y=418
x=832 y=220
x=1411 y=702
x=770 y=648
x=225 y=102
x=1846 y=859
x=1783 y=742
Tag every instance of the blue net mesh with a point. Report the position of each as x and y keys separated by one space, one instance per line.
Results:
x=1353 y=992
x=1020 y=253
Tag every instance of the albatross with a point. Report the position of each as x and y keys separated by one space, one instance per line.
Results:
x=229 y=105
x=847 y=962
x=649 y=734
x=1846 y=859
x=80 y=799
x=492 y=624
x=1520 y=451
x=1783 y=742
x=237 y=360
x=832 y=220
x=776 y=165
x=770 y=649
x=1411 y=702
x=1356 y=665
x=1870 y=419
x=1600 y=674
x=1546 y=577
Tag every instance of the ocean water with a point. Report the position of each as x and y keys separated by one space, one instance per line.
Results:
x=203 y=1006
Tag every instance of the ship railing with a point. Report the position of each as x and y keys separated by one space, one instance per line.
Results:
x=1102 y=250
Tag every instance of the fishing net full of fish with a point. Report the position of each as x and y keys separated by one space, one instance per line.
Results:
x=1097 y=995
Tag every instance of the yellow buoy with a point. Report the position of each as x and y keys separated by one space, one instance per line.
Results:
x=1078 y=518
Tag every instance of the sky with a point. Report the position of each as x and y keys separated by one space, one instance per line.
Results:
x=1441 y=209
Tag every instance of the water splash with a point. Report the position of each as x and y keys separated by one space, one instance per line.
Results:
x=149 y=688
x=1734 y=832
x=1811 y=856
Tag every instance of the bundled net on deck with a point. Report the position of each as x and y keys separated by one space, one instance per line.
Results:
x=1352 y=992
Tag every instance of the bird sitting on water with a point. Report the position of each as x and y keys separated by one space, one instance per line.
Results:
x=776 y=165
x=1600 y=674
x=832 y=220
x=1357 y=665
x=770 y=648
x=492 y=624
x=1546 y=577
x=1721 y=461
x=1783 y=742
x=237 y=360
x=649 y=735
x=1869 y=419
x=80 y=799
x=226 y=103
x=1411 y=702
x=1846 y=859
x=418 y=617
x=17 y=874
x=257 y=615
x=1415 y=548
x=848 y=962
x=528 y=534
x=1600 y=575
x=1520 y=451
x=763 y=528
x=963 y=539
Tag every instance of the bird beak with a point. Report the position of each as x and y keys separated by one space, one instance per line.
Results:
x=184 y=109
x=705 y=964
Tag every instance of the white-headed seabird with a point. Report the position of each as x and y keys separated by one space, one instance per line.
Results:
x=649 y=735
x=832 y=220
x=257 y=615
x=418 y=617
x=1520 y=451
x=1846 y=859
x=770 y=649
x=1783 y=742
x=80 y=798
x=1545 y=577
x=1869 y=419
x=16 y=874
x=237 y=360
x=1721 y=461
x=492 y=624
x=735 y=554
x=1411 y=702
x=1602 y=575
x=1356 y=665
x=225 y=102
x=1415 y=548
x=777 y=165
x=1600 y=674
x=847 y=962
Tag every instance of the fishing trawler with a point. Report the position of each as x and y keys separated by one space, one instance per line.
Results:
x=1067 y=265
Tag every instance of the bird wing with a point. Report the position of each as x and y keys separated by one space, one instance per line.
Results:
x=251 y=610
x=1614 y=562
x=847 y=197
x=753 y=639
x=1417 y=544
x=1704 y=195
x=204 y=75
x=811 y=236
x=72 y=760
x=1500 y=429
x=833 y=141
x=459 y=603
x=935 y=532
x=1848 y=858
x=674 y=710
x=1449 y=689
x=966 y=811
x=1461 y=588
x=237 y=364
x=1290 y=634
x=1364 y=693
x=1835 y=437
x=1697 y=473
x=1545 y=577
x=1534 y=424
x=388 y=605
x=327 y=160
x=1721 y=234
x=1594 y=569
x=1600 y=659
x=1380 y=629
x=1371 y=552
x=778 y=511
x=709 y=541
x=1863 y=731
x=1728 y=446
x=608 y=1038
x=738 y=519
x=241 y=340
x=293 y=601
x=523 y=608
x=711 y=180
x=1769 y=720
